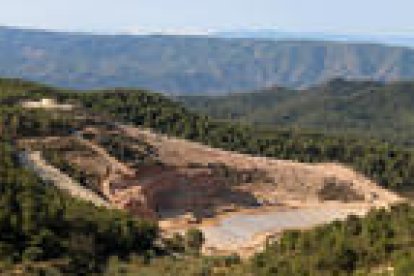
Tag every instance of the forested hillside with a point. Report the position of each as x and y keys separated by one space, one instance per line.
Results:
x=382 y=111
x=48 y=231
x=192 y=65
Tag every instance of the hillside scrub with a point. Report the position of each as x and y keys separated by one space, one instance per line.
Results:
x=47 y=230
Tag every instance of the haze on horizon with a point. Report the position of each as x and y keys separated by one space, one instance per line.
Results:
x=370 y=17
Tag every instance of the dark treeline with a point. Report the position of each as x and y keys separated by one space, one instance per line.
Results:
x=363 y=108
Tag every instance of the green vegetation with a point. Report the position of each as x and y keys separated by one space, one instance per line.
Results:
x=40 y=224
x=194 y=240
x=389 y=165
x=380 y=240
x=234 y=176
x=363 y=109
x=43 y=229
x=371 y=245
x=173 y=266
x=56 y=155
x=134 y=152
x=337 y=190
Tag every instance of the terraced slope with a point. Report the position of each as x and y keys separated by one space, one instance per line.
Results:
x=289 y=195
x=285 y=181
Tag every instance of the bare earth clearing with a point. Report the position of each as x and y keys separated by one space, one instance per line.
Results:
x=289 y=197
x=237 y=200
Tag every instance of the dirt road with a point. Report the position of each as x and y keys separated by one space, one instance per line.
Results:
x=35 y=162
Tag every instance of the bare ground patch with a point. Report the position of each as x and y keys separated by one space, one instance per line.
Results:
x=186 y=184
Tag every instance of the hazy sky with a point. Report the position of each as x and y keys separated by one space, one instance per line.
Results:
x=343 y=16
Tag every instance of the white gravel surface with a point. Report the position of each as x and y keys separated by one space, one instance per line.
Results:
x=35 y=162
x=238 y=230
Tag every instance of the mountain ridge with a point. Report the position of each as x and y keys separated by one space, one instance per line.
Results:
x=402 y=40
x=192 y=64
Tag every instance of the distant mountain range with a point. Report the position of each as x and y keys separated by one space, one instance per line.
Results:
x=383 y=111
x=272 y=34
x=192 y=64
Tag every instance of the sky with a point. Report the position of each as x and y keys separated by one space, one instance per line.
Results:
x=192 y=16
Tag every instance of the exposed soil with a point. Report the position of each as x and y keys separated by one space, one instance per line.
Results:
x=282 y=183
x=185 y=184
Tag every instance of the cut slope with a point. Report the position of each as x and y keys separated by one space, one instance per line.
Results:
x=286 y=181
x=292 y=195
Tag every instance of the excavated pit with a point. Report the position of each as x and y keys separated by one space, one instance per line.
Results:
x=185 y=184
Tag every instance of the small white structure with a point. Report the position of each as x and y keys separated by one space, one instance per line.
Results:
x=47 y=104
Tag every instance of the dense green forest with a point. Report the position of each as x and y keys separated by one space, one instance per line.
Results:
x=47 y=230
x=39 y=223
x=360 y=108
x=378 y=241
